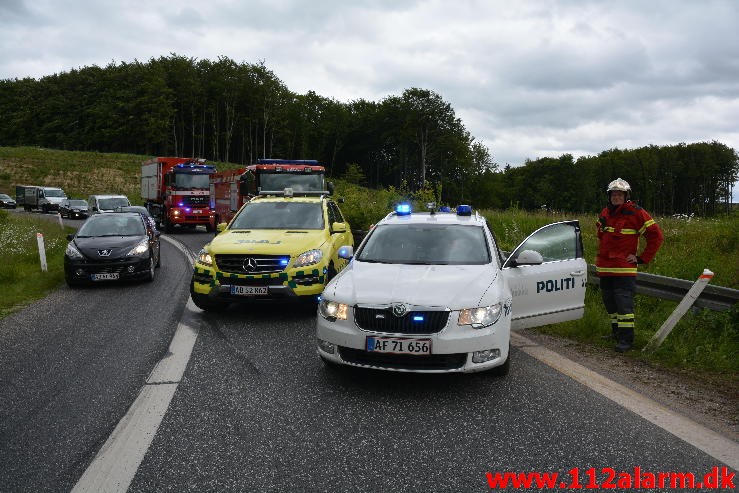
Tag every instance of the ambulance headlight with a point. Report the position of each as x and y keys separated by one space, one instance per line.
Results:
x=205 y=258
x=308 y=258
x=480 y=317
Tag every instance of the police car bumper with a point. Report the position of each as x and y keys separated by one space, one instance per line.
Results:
x=454 y=349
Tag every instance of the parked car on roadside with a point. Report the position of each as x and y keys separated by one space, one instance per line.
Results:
x=106 y=203
x=114 y=246
x=73 y=208
x=6 y=202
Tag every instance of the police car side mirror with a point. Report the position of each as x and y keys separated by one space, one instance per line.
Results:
x=346 y=252
x=528 y=257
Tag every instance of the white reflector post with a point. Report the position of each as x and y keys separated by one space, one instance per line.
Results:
x=61 y=224
x=41 y=251
x=692 y=295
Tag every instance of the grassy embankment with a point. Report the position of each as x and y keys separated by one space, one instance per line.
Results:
x=704 y=340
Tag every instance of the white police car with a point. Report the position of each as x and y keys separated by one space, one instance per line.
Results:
x=432 y=292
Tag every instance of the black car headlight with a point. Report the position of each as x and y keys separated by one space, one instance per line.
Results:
x=72 y=252
x=140 y=250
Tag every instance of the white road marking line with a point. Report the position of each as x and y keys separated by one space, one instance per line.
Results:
x=115 y=465
x=710 y=442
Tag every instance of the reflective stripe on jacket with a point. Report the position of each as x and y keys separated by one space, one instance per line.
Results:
x=619 y=229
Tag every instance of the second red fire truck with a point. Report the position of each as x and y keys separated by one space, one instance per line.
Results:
x=231 y=189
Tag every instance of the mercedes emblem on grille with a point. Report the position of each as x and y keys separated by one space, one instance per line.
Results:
x=249 y=265
x=399 y=309
x=105 y=253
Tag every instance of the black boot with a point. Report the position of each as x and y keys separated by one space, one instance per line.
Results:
x=625 y=340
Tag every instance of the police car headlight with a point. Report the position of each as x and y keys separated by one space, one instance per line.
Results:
x=480 y=317
x=308 y=258
x=205 y=258
x=332 y=311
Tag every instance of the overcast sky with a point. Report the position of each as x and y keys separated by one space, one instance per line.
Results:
x=527 y=78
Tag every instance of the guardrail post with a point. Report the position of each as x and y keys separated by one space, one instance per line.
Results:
x=681 y=309
x=41 y=251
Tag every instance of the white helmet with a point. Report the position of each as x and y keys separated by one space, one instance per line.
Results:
x=619 y=184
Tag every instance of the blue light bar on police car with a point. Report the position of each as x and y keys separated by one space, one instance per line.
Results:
x=464 y=210
x=403 y=209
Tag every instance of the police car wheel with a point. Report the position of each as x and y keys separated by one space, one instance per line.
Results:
x=330 y=365
x=505 y=368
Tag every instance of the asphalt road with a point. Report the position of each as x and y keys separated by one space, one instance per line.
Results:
x=257 y=411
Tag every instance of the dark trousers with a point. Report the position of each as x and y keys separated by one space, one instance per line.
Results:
x=618 y=298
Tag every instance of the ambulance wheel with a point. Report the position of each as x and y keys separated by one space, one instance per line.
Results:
x=204 y=302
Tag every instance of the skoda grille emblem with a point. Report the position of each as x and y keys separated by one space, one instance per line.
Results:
x=105 y=253
x=399 y=310
x=249 y=265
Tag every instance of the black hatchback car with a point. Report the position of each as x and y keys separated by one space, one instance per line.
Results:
x=112 y=247
x=73 y=208
x=6 y=201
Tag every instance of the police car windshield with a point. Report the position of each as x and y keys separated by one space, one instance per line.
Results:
x=447 y=244
x=279 y=215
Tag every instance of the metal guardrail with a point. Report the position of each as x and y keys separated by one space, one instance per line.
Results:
x=714 y=298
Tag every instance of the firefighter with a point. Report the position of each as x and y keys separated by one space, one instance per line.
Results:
x=620 y=225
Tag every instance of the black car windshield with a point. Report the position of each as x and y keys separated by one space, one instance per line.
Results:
x=279 y=215
x=78 y=203
x=110 y=225
x=426 y=244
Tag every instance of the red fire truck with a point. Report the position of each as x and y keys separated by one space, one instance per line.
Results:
x=175 y=191
x=231 y=189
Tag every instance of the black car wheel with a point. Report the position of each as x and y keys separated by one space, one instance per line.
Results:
x=152 y=266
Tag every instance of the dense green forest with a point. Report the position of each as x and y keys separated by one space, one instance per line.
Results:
x=238 y=112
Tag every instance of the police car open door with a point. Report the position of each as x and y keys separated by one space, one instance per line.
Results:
x=547 y=275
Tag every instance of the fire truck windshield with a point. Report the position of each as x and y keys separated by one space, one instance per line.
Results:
x=190 y=180
x=299 y=183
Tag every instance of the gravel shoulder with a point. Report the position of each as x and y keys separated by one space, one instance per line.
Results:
x=711 y=400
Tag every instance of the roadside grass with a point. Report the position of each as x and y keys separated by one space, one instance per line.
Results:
x=21 y=277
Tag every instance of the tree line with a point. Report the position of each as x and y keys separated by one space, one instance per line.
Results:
x=238 y=112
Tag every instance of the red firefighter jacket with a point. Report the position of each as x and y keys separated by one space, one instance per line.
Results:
x=619 y=229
